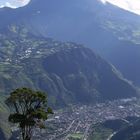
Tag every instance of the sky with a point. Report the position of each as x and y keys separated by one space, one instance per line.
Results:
x=13 y=3
x=130 y=5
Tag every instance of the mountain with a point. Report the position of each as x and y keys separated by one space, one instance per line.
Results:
x=111 y=31
x=70 y=73
x=131 y=132
x=60 y=19
x=5 y=131
x=125 y=129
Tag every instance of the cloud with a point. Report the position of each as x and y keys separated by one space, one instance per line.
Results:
x=13 y=3
x=103 y=1
x=130 y=5
x=7 y=4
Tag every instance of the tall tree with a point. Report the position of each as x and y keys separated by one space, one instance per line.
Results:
x=29 y=109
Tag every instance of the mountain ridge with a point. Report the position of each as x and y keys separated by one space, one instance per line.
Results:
x=67 y=71
x=80 y=21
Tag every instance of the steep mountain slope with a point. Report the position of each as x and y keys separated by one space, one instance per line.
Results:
x=110 y=30
x=59 y=19
x=5 y=131
x=130 y=132
x=70 y=73
x=127 y=129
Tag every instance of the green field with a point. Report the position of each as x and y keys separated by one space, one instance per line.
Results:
x=76 y=136
x=100 y=133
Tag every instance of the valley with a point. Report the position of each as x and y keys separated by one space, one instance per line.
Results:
x=70 y=73
x=84 y=56
x=78 y=122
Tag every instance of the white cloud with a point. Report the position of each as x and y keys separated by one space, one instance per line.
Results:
x=7 y=4
x=13 y=3
x=130 y=5
x=103 y=1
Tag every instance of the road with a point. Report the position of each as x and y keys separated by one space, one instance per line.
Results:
x=86 y=132
x=66 y=132
x=109 y=138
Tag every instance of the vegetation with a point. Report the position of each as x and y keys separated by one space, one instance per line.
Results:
x=5 y=131
x=127 y=129
x=30 y=61
x=130 y=132
x=76 y=136
x=28 y=109
x=100 y=133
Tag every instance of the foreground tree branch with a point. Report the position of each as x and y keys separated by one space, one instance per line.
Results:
x=29 y=108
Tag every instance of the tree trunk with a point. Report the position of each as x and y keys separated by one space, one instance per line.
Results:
x=27 y=138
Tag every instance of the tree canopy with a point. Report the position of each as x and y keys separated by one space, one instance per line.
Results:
x=29 y=109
